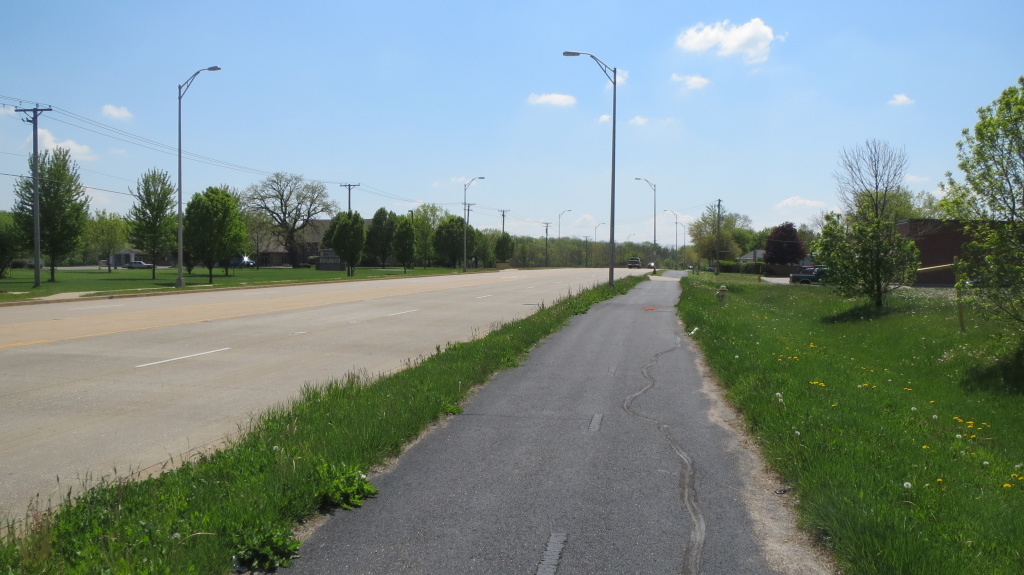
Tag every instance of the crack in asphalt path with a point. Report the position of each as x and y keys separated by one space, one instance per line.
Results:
x=687 y=477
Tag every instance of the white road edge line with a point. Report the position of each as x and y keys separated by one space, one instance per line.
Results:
x=98 y=306
x=184 y=357
x=482 y=296
x=402 y=312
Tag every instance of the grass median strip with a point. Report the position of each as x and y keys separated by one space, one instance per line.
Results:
x=900 y=437
x=235 y=508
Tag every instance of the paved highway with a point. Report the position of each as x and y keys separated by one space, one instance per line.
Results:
x=90 y=386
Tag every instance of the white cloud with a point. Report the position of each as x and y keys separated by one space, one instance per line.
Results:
x=694 y=82
x=798 y=202
x=551 y=99
x=117 y=112
x=621 y=76
x=900 y=100
x=638 y=121
x=753 y=39
x=605 y=118
x=79 y=152
x=912 y=179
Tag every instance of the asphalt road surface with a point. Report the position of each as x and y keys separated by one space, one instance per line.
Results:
x=601 y=453
x=93 y=388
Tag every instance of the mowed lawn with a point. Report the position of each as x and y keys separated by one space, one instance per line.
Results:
x=18 y=286
x=900 y=438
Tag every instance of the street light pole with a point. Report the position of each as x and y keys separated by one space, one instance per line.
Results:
x=182 y=88
x=654 y=188
x=611 y=73
x=465 y=222
x=595 y=236
x=560 y=223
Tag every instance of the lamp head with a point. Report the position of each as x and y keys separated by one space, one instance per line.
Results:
x=570 y=53
x=213 y=69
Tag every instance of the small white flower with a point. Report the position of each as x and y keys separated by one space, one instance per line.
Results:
x=958 y=436
x=737 y=357
x=913 y=409
x=984 y=463
x=907 y=485
x=797 y=433
x=935 y=417
x=778 y=394
x=276 y=448
x=1017 y=466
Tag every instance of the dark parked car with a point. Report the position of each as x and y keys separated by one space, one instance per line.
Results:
x=242 y=262
x=633 y=263
x=809 y=275
x=138 y=265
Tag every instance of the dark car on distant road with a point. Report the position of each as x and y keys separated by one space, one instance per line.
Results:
x=138 y=265
x=633 y=263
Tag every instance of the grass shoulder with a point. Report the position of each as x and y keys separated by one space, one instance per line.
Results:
x=900 y=436
x=91 y=282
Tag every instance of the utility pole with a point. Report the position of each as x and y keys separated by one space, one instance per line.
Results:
x=718 y=239
x=350 y=186
x=35 y=184
x=503 y=212
x=546 y=226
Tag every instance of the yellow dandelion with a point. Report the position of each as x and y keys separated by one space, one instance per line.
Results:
x=925 y=447
x=1007 y=485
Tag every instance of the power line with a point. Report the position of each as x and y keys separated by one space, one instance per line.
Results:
x=42 y=179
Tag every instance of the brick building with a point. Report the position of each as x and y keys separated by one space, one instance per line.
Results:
x=939 y=242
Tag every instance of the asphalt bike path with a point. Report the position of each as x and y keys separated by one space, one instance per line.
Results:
x=596 y=455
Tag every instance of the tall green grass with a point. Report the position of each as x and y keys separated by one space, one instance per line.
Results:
x=902 y=438
x=236 y=507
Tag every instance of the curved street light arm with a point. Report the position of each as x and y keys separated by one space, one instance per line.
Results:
x=609 y=71
x=182 y=88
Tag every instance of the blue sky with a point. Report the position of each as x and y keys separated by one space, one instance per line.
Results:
x=747 y=102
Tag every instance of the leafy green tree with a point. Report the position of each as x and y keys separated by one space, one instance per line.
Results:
x=63 y=206
x=106 y=234
x=448 y=240
x=713 y=236
x=292 y=203
x=381 y=235
x=261 y=231
x=865 y=258
x=152 y=219
x=425 y=219
x=346 y=235
x=783 y=245
x=214 y=230
x=504 y=247
x=990 y=204
x=483 y=249
x=862 y=248
x=404 y=242
x=10 y=243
